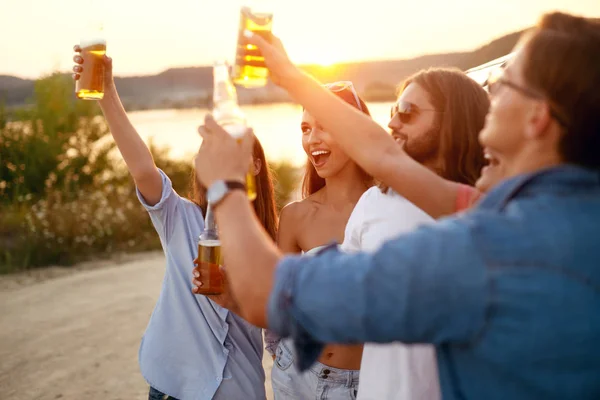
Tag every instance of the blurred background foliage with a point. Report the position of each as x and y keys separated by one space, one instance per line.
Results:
x=65 y=194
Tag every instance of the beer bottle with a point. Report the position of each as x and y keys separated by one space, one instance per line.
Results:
x=229 y=115
x=209 y=257
x=249 y=69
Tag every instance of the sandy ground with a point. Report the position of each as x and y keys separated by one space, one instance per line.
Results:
x=74 y=333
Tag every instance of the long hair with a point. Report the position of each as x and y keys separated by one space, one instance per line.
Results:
x=463 y=104
x=264 y=204
x=562 y=62
x=312 y=182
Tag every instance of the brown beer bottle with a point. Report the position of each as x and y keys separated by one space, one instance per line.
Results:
x=209 y=257
x=249 y=69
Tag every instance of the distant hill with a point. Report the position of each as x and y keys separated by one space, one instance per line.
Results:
x=14 y=91
x=192 y=87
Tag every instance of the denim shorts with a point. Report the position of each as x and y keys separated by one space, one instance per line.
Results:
x=319 y=382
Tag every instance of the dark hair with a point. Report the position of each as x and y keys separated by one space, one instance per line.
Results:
x=464 y=104
x=562 y=62
x=312 y=182
x=264 y=204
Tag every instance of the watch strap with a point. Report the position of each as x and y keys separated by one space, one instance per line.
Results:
x=230 y=186
x=235 y=185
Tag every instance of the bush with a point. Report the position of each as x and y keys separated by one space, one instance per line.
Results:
x=63 y=230
x=56 y=143
x=286 y=178
x=64 y=198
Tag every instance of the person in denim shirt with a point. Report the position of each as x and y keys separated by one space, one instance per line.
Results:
x=508 y=292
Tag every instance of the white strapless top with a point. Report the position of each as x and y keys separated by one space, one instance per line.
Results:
x=314 y=250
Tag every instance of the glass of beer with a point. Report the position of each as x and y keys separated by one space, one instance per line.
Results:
x=250 y=70
x=90 y=85
x=209 y=262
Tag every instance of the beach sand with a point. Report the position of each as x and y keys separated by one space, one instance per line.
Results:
x=74 y=333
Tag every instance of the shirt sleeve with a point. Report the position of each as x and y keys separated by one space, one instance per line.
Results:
x=428 y=286
x=163 y=213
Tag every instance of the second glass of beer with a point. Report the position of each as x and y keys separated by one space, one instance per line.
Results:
x=90 y=85
x=250 y=70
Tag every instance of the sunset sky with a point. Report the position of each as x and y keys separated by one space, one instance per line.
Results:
x=147 y=37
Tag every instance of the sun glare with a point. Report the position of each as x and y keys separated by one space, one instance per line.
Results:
x=324 y=56
x=326 y=61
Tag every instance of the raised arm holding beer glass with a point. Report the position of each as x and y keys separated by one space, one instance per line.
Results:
x=223 y=344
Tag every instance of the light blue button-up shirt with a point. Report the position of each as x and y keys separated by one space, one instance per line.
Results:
x=509 y=293
x=192 y=347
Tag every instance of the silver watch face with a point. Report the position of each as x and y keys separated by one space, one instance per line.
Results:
x=216 y=191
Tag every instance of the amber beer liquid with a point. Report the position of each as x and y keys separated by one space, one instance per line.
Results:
x=90 y=85
x=209 y=262
x=250 y=70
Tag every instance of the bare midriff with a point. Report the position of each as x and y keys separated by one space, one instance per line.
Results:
x=342 y=356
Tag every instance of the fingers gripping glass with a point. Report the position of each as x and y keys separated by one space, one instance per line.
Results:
x=345 y=85
x=407 y=111
x=497 y=80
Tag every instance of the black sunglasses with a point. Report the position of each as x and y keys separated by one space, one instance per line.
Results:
x=407 y=111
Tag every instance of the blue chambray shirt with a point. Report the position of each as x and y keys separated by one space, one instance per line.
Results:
x=509 y=293
x=193 y=348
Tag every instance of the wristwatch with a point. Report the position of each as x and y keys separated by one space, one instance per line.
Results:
x=220 y=189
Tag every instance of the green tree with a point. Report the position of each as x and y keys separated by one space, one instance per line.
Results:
x=286 y=178
x=55 y=143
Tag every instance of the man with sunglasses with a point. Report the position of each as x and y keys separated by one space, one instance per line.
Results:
x=436 y=119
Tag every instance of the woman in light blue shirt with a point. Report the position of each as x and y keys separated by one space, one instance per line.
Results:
x=192 y=348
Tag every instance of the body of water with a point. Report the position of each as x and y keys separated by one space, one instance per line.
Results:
x=277 y=126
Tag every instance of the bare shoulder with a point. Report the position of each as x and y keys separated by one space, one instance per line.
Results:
x=291 y=224
x=296 y=210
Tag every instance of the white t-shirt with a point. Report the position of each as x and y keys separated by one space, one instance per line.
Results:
x=390 y=371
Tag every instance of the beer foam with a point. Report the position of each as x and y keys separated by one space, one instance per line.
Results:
x=209 y=242
x=92 y=42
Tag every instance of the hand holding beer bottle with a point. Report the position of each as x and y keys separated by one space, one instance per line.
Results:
x=209 y=276
x=225 y=299
x=230 y=116
x=222 y=156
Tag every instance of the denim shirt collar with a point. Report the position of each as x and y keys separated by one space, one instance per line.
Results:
x=565 y=178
